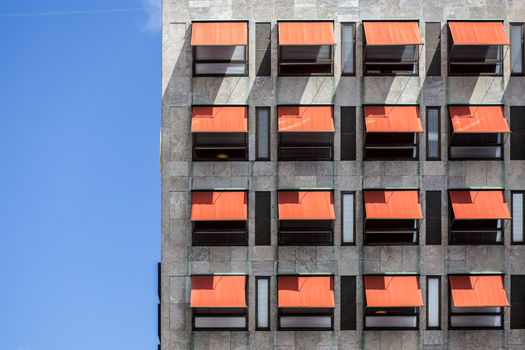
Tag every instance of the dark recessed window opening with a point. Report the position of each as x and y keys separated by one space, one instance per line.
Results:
x=306 y=48
x=517 y=138
x=401 y=146
x=217 y=233
x=392 y=317
x=306 y=232
x=220 y=48
x=220 y=146
x=517 y=300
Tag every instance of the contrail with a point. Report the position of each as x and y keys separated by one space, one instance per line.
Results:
x=69 y=13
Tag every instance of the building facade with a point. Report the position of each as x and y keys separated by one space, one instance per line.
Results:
x=342 y=175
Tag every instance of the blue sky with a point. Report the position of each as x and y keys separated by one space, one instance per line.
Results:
x=79 y=184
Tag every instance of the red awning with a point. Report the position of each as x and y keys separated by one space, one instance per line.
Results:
x=400 y=204
x=215 y=205
x=478 y=119
x=219 y=33
x=486 y=204
x=306 y=33
x=305 y=291
x=478 y=291
x=306 y=205
x=393 y=291
x=392 y=33
x=218 y=291
x=219 y=119
x=478 y=33
x=306 y=118
x=392 y=119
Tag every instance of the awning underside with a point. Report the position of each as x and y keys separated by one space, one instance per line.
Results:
x=392 y=291
x=218 y=291
x=478 y=291
x=306 y=205
x=474 y=205
x=478 y=119
x=392 y=119
x=305 y=291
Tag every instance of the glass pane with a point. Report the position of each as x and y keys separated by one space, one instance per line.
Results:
x=391 y=321
x=219 y=53
x=309 y=53
x=516 y=49
x=433 y=302
x=517 y=217
x=396 y=53
x=433 y=133
x=478 y=309
x=220 y=322
x=220 y=68
x=348 y=218
x=263 y=124
x=348 y=48
x=262 y=303
x=306 y=321
x=475 y=321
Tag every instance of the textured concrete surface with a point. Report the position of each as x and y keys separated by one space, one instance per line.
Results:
x=179 y=175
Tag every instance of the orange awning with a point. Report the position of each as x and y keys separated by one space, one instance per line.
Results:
x=393 y=291
x=480 y=119
x=306 y=205
x=401 y=204
x=215 y=205
x=306 y=33
x=392 y=119
x=219 y=119
x=478 y=33
x=478 y=291
x=488 y=204
x=392 y=33
x=306 y=118
x=219 y=33
x=305 y=291
x=218 y=291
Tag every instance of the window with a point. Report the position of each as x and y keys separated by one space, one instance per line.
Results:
x=517 y=217
x=219 y=133
x=220 y=48
x=302 y=139
x=477 y=132
x=263 y=303
x=391 y=48
x=476 y=47
x=516 y=42
x=433 y=48
x=433 y=133
x=391 y=132
x=348 y=302
x=306 y=217
x=263 y=133
x=433 y=302
x=517 y=137
x=306 y=48
x=348 y=140
x=348 y=48
x=517 y=300
x=263 y=209
x=263 y=49
x=348 y=214
x=433 y=217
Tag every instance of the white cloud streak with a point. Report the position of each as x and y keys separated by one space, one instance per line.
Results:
x=154 y=13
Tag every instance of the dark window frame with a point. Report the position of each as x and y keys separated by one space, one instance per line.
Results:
x=451 y=142
x=257 y=278
x=517 y=117
x=305 y=74
x=245 y=147
x=438 y=277
x=348 y=302
x=408 y=314
x=428 y=241
x=225 y=312
x=354 y=226
x=522 y=192
x=348 y=24
x=451 y=313
x=450 y=47
x=345 y=113
x=518 y=303
x=257 y=109
x=415 y=62
x=245 y=61
x=438 y=109
x=522 y=25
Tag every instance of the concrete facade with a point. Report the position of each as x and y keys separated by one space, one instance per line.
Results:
x=180 y=175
